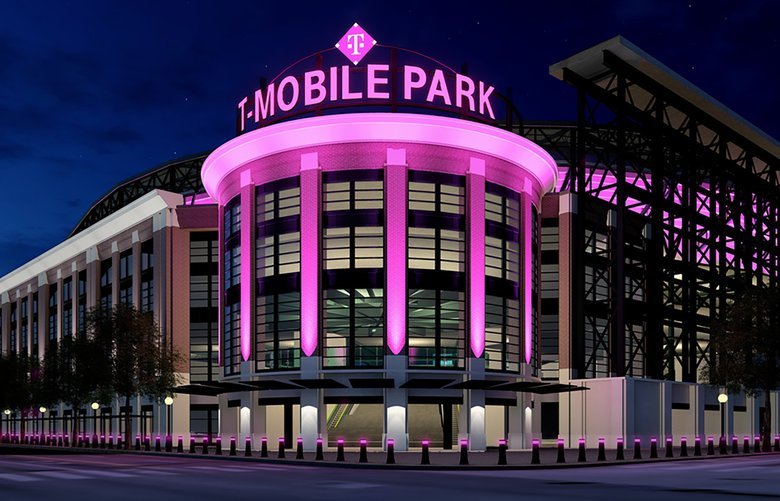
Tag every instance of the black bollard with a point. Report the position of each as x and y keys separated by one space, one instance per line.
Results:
x=620 y=455
x=390 y=451
x=340 y=450
x=710 y=446
x=205 y=446
x=168 y=443
x=180 y=444
x=66 y=441
x=299 y=449
x=669 y=448
x=119 y=442
x=248 y=446
x=722 y=446
x=280 y=453
x=192 y=444
x=464 y=452
x=777 y=444
x=697 y=446
x=653 y=448
x=111 y=441
x=602 y=449
x=319 y=456
x=232 y=446
x=102 y=441
x=561 y=453
x=581 y=451
x=94 y=441
x=535 y=452
x=264 y=447
x=734 y=445
x=425 y=458
x=363 y=451
x=683 y=447
x=637 y=448
x=756 y=444
x=59 y=441
x=502 y=452
x=157 y=444
x=218 y=440
x=746 y=445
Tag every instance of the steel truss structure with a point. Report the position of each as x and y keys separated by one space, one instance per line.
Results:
x=179 y=176
x=675 y=212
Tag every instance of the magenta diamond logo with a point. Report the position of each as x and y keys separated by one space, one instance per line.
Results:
x=355 y=43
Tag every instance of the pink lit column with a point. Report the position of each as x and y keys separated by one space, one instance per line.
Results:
x=310 y=243
x=312 y=412
x=526 y=236
x=395 y=292
x=247 y=261
x=475 y=183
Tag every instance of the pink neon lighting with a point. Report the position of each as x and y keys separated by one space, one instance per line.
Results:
x=310 y=269
x=476 y=189
x=478 y=138
x=602 y=440
x=281 y=440
x=220 y=282
x=340 y=441
x=501 y=441
x=425 y=442
x=390 y=441
x=355 y=43
x=395 y=196
x=363 y=441
x=246 y=316
x=527 y=256
x=464 y=441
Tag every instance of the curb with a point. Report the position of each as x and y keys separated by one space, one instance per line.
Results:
x=382 y=466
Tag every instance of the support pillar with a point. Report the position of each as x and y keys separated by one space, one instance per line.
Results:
x=396 y=405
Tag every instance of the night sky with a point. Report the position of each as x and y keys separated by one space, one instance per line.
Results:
x=92 y=93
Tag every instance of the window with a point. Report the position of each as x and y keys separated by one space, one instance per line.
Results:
x=354 y=194
x=52 y=323
x=67 y=307
x=502 y=334
x=231 y=274
x=353 y=247
x=278 y=338
x=436 y=196
x=278 y=254
x=436 y=328
x=12 y=338
x=147 y=276
x=81 y=313
x=353 y=326
x=436 y=249
x=23 y=335
x=126 y=277
x=34 y=333
x=204 y=291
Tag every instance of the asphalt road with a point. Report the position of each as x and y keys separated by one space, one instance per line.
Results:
x=150 y=478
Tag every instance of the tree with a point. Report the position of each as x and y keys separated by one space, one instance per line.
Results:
x=746 y=346
x=138 y=362
x=80 y=375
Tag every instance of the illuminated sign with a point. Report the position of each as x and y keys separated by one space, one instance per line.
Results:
x=384 y=80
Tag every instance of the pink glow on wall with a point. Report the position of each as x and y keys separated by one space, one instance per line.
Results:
x=310 y=269
x=529 y=158
x=395 y=200
x=476 y=201
x=220 y=284
x=246 y=315
x=527 y=256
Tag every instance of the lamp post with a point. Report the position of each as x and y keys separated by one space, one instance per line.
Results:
x=722 y=399
x=42 y=409
x=168 y=402
x=95 y=406
x=7 y=413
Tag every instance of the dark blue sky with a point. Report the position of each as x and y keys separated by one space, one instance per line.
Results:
x=92 y=93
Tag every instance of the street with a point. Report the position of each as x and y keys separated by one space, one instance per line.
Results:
x=136 y=477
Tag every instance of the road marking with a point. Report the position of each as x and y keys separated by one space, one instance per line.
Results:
x=17 y=478
x=62 y=475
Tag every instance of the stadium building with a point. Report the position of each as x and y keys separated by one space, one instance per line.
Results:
x=388 y=250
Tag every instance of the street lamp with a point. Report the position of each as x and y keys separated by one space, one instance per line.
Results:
x=722 y=399
x=95 y=406
x=42 y=409
x=7 y=412
x=168 y=402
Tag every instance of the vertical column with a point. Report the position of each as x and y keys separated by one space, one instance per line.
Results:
x=396 y=196
x=395 y=219
x=475 y=184
x=220 y=280
x=59 y=309
x=114 y=274
x=5 y=308
x=526 y=248
x=43 y=315
x=310 y=255
x=136 y=271
x=247 y=263
x=312 y=407
x=74 y=294
x=93 y=280
x=30 y=332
